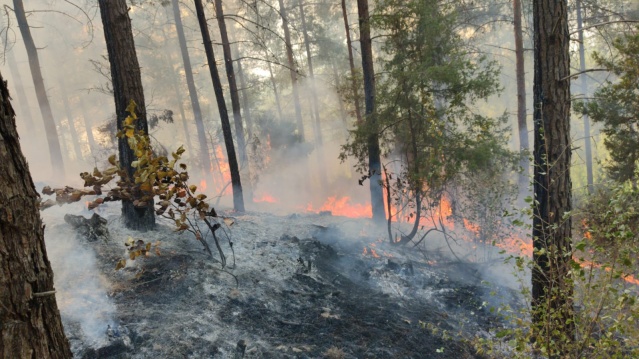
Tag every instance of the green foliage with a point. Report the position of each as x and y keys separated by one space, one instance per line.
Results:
x=605 y=299
x=166 y=178
x=426 y=94
x=615 y=106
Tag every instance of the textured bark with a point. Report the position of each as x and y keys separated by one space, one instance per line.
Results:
x=522 y=124
x=127 y=86
x=45 y=108
x=374 y=161
x=205 y=159
x=584 y=90
x=351 y=62
x=238 y=197
x=30 y=324
x=235 y=101
x=292 y=67
x=551 y=289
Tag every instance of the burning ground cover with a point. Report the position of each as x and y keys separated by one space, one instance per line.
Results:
x=305 y=289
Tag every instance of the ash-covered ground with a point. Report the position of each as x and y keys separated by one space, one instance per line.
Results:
x=308 y=286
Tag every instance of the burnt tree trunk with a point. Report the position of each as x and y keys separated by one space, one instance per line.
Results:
x=30 y=324
x=19 y=86
x=245 y=99
x=351 y=62
x=238 y=197
x=205 y=159
x=45 y=107
x=235 y=101
x=127 y=86
x=374 y=160
x=584 y=90
x=292 y=70
x=522 y=125
x=551 y=286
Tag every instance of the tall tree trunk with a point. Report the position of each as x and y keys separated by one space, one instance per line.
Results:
x=292 y=70
x=277 y=94
x=72 y=130
x=524 y=146
x=178 y=99
x=314 y=103
x=338 y=85
x=88 y=126
x=27 y=117
x=205 y=158
x=351 y=61
x=551 y=286
x=30 y=320
x=374 y=160
x=45 y=108
x=584 y=90
x=235 y=100
x=127 y=86
x=238 y=197
x=245 y=98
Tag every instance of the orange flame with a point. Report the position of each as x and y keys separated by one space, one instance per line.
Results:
x=343 y=207
x=265 y=198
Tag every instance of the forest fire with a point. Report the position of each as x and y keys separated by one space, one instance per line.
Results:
x=343 y=207
x=264 y=198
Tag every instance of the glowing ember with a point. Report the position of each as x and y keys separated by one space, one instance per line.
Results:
x=471 y=227
x=202 y=185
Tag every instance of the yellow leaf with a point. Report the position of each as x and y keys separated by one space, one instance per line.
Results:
x=131 y=107
x=112 y=160
x=193 y=188
x=130 y=132
x=121 y=264
x=128 y=121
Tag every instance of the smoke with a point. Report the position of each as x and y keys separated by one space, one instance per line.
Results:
x=81 y=289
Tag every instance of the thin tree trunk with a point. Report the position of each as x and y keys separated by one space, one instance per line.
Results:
x=88 y=127
x=245 y=99
x=314 y=103
x=205 y=159
x=127 y=86
x=338 y=85
x=551 y=286
x=277 y=95
x=238 y=198
x=584 y=90
x=374 y=160
x=45 y=108
x=179 y=101
x=524 y=146
x=30 y=324
x=235 y=101
x=27 y=117
x=351 y=61
x=72 y=130
x=291 y=65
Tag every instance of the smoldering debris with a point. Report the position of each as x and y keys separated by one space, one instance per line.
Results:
x=305 y=288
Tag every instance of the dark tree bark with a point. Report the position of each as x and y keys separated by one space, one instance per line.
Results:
x=238 y=197
x=374 y=161
x=235 y=100
x=127 y=86
x=30 y=324
x=45 y=107
x=551 y=288
x=584 y=90
x=351 y=61
x=292 y=67
x=522 y=124
x=205 y=159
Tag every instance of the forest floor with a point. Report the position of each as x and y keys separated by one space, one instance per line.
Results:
x=308 y=286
